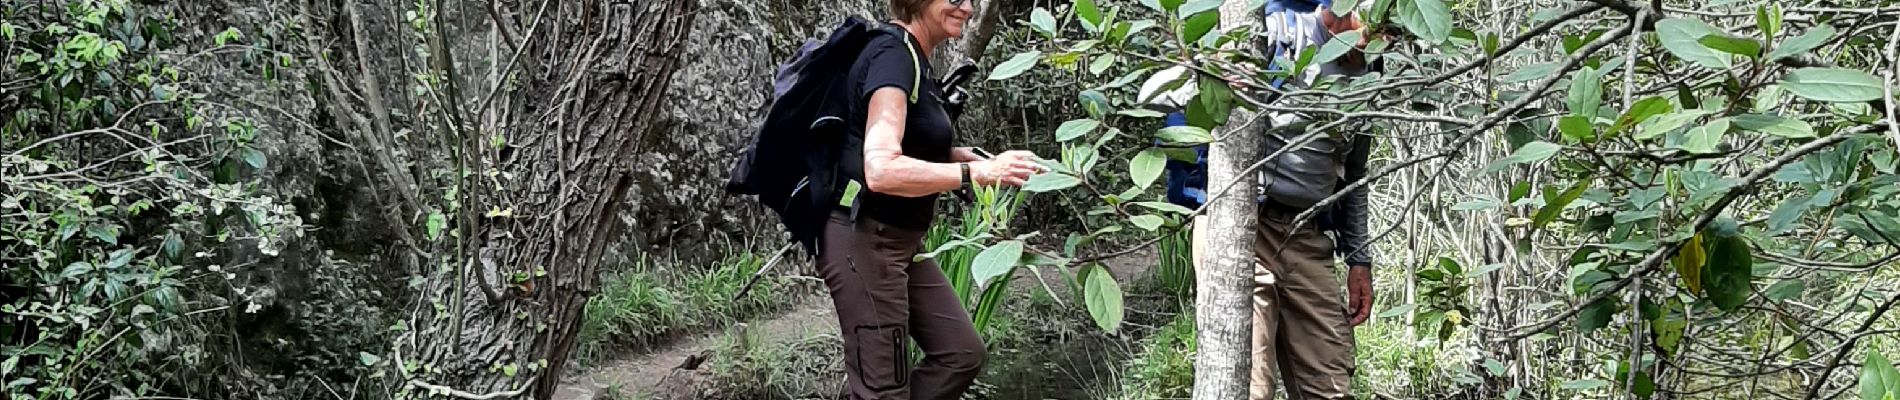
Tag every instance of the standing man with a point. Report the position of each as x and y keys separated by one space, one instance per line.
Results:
x=1302 y=325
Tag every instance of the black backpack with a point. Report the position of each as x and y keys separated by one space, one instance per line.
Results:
x=795 y=161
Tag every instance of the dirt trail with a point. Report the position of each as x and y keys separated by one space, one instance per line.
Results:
x=640 y=376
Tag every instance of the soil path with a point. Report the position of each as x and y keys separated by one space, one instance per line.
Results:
x=640 y=376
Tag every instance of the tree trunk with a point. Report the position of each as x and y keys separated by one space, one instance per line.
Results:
x=1223 y=303
x=501 y=322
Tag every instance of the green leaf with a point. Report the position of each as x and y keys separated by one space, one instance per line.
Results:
x=76 y=270
x=105 y=233
x=1786 y=289
x=1682 y=37
x=1669 y=122
x=1774 y=125
x=368 y=359
x=1342 y=7
x=1398 y=311
x=120 y=259
x=1165 y=207
x=1050 y=182
x=1837 y=85
x=1641 y=112
x=1530 y=153
x=1197 y=7
x=1146 y=166
x=1076 y=128
x=1089 y=13
x=1016 y=65
x=1729 y=278
x=1787 y=214
x=1043 y=22
x=1596 y=315
x=254 y=158
x=1216 y=99
x=1478 y=204
x=1878 y=379
x=1732 y=45
x=173 y=246
x=1430 y=19
x=1104 y=298
x=1578 y=128
x=1704 y=139
x=1184 y=135
x=1668 y=331
x=1141 y=113
x=1530 y=73
x=1101 y=64
x=1555 y=207
x=1194 y=28
x=1799 y=45
x=435 y=224
x=1337 y=46
x=1586 y=93
x=995 y=261
x=1146 y=222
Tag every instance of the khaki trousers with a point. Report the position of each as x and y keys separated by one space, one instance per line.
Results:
x=1300 y=324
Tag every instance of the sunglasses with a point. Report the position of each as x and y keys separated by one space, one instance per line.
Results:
x=959 y=3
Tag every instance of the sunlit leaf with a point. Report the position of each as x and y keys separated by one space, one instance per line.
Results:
x=1146 y=167
x=1774 y=125
x=1530 y=153
x=1833 y=85
x=1089 y=13
x=1706 y=138
x=1016 y=65
x=1043 y=21
x=1076 y=128
x=1104 y=298
x=995 y=261
x=1878 y=378
x=1050 y=182
x=1732 y=45
x=1147 y=222
x=1799 y=45
x=1682 y=38
x=1185 y=135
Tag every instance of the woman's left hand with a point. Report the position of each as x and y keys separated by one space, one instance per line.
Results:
x=964 y=154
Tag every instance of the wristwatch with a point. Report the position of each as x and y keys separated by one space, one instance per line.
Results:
x=966 y=174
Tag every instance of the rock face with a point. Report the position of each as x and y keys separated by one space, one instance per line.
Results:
x=717 y=100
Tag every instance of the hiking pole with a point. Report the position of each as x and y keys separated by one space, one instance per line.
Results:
x=762 y=269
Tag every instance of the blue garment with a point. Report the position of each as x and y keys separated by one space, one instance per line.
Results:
x=1295 y=5
x=1187 y=183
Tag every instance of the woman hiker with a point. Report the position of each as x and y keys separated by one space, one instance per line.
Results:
x=883 y=297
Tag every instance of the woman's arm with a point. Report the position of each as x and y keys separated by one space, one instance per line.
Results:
x=887 y=170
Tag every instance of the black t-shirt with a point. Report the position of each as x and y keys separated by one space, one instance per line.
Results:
x=927 y=130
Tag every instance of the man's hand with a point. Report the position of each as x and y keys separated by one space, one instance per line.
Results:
x=1337 y=24
x=1359 y=286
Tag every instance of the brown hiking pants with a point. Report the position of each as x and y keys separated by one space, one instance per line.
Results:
x=884 y=299
x=1300 y=324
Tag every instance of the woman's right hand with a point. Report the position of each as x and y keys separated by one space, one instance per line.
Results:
x=1011 y=168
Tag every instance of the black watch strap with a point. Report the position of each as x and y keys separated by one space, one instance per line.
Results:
x=966 y=173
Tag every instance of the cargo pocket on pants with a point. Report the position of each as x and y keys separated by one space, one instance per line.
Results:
x=882 y=362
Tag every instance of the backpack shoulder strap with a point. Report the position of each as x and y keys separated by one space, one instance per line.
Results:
x=916 y=64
